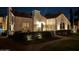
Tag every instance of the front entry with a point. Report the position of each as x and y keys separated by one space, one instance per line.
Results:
x=39 y=26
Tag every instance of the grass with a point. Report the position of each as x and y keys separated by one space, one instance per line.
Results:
x=71 y=44
x=75 y=35
x=58 y=44
x=11 y=45
x=63 y=45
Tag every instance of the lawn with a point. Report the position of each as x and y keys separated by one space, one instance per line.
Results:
x=67 y=43
x=11 y=45
x=63 y=45
x=71 y=44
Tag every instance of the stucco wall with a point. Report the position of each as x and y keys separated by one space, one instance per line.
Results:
x=20 y=20
x=50 y=24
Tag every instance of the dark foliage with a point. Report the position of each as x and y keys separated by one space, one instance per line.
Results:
x=4 y=33
x=19 y=36
x=64 y=32
x=76 y=14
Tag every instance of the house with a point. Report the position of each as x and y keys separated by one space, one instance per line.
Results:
x=3 y=23
x=55 y=22
x=34 y=22
x=58 y=22
x=23 y=22
x=27 y=22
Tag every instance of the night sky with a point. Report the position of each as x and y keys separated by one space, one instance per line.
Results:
x=43 y=10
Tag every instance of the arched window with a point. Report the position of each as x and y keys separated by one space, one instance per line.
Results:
x=62 y=26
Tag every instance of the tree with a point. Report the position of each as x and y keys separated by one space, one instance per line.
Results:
x=71 y=16
x=76 y=17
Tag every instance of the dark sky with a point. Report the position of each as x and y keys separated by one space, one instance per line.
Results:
x=43 y=10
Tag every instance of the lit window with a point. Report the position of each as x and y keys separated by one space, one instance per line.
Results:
x=25 y=26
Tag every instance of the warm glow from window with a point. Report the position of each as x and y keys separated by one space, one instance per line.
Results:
x=39 y=24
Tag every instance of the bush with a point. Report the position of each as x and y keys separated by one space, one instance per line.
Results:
x=63 y=32
x=19 y=36
x=45 y=35
x=35 y=36
x=4 y=33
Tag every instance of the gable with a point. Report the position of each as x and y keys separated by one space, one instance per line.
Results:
x=62 y=18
